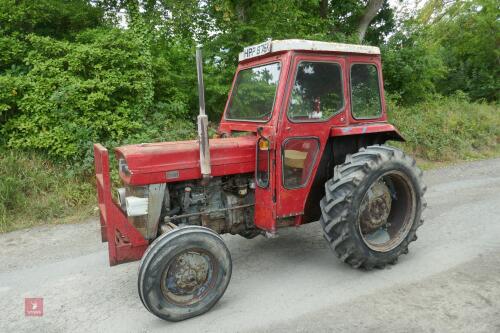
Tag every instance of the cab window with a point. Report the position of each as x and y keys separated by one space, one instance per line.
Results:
x=317 y=92
x=365 y=93
x=254 y=93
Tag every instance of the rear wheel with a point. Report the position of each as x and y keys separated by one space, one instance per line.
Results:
x=184 y=273
x=372 y=206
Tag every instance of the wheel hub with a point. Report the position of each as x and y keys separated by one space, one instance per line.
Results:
x=375 y=207
x=190 y=270
x=186 y=278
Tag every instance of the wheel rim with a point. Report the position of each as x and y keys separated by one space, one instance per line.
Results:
x=189 y=277
x=387 y=211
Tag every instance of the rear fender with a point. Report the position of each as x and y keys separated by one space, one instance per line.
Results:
x=385 y=131
x=344 y=141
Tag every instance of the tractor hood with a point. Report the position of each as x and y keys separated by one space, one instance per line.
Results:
x=152 y=163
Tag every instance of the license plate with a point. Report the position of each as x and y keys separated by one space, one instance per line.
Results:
x=256 y=50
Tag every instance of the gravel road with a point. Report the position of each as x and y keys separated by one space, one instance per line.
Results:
x=449 y=282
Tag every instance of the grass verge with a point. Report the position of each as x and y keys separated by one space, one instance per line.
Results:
x=448 y=129
x=33 y=191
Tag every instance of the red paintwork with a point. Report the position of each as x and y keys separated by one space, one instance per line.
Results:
x=292 y=201
x=365 y=129
x=276 y=201
x=149 y=163
x=125 y=243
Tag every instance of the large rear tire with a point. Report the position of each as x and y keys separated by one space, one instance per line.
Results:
x=184 y=273
x=372 y=206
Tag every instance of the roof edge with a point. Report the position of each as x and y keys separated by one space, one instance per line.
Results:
x=310 y=45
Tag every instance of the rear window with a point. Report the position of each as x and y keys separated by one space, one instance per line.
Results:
x=365 y=93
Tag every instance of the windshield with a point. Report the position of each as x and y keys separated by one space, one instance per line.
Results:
x=254 y=92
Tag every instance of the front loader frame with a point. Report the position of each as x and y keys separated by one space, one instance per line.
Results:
x=125 y=243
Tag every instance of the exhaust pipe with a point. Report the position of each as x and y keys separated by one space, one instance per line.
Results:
x=202 y=123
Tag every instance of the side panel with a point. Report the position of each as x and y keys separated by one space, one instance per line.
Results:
x=265 y=198
x=291 y=201
x=125 y=243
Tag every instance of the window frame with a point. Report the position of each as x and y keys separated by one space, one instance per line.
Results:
x=318 y=142
x=381 y=114
x=342 y=85
x=230 y=99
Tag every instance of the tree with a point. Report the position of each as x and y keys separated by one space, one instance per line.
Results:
x=370 y=11
x=469 y=34
x=412 y=67
x=446 y=47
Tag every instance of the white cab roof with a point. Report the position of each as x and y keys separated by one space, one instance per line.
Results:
x=310 y=45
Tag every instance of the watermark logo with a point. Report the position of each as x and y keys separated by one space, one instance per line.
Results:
x=33 y=307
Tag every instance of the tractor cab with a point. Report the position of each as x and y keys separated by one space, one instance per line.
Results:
x=297 y=95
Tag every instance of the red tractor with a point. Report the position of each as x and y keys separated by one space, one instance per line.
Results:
x=302 y=139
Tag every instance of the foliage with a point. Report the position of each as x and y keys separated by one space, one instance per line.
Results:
x=468 y=33
x=445 y=49
x=57 y=19
x=411 y=67
x=70 y=77
x=96 y=88
x=33 y=190
x=104 y=85
x=446 y=129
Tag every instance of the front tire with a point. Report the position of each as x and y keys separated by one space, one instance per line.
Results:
x=372 y=207
x=184 y=273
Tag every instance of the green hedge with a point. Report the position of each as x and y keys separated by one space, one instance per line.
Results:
x=99 y=87
x=447 y=129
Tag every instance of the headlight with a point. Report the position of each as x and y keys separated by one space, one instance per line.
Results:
x=136 y=206
x=122 y=194
x=133 y=200
x=123 y=167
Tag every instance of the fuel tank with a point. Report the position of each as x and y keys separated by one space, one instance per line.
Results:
x=166 y=162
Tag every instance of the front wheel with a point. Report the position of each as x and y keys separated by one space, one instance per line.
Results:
x=184 y=273
x=372 y=206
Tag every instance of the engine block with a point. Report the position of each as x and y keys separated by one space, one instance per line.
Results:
x=225 y=204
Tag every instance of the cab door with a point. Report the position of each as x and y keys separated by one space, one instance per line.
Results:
x=316 y=101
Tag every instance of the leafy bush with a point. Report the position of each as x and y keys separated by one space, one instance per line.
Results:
x=450 y=50
x=411 y=68
x=99 y=88
x=467 y=34
x=448 y=128
x=106 y=85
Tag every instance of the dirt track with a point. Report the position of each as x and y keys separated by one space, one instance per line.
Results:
x=449 y=282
